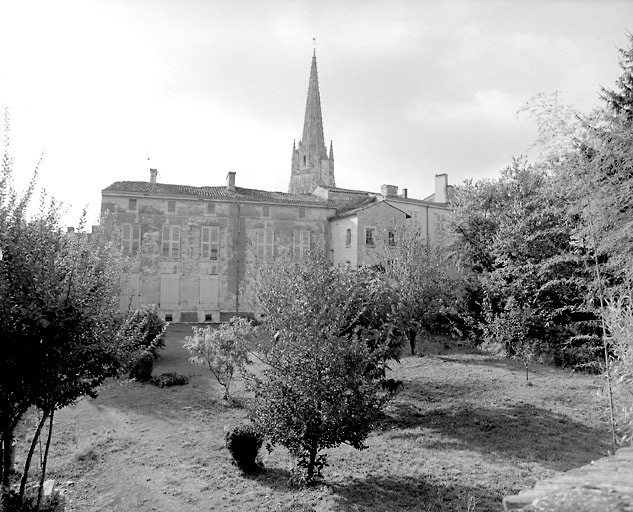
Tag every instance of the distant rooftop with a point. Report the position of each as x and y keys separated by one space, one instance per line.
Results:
x=246 y=194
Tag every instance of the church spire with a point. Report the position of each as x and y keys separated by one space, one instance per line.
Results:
x=313 y=120
x=311 y=165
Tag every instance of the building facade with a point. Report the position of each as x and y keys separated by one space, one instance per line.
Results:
x=194 y=248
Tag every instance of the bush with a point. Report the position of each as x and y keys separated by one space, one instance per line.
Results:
x=146 y=329
x=54 y=503
x=165 y=380
x=244 y=443
x=141 y=367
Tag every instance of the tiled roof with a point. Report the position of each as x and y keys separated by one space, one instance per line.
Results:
x=246 y=194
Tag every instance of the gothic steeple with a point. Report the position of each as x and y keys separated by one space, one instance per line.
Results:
x=311 y=165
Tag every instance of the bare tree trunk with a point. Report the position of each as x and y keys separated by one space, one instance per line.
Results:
x=48 y=445
x=29 y=457
x=7 y=462
x=607 y=363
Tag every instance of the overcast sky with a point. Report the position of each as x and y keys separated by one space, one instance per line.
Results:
x=408 y=89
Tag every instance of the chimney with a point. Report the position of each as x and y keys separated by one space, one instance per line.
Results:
x=230 y=181
x=441 y=188
x=152 y=175
x=389 y=190
x=404 y=193
x=70 y=229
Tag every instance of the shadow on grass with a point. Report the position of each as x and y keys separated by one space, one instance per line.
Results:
x=397 y=493
x=521 y=431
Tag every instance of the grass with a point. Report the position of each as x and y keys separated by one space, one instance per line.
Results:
x=465 y=431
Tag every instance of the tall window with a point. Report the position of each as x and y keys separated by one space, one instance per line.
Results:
x=348 y=238
x=171 y=206
x=266 y=211
x=131 y=206
x=369 y=236
x=300 y=244
x=171 y=242
x=391 y=237
x=210 y=248
x=130 y=238
x=302 y=212
x=211 y=208
x=264 y=243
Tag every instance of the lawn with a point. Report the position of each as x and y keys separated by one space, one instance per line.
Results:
x=465 y=431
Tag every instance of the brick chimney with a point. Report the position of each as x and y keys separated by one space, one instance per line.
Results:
x=230 y=181
x=389 y=190
x=441 y=188
x=405 y=193
x=152 y=175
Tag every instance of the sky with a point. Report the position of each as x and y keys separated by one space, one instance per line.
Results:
x=409 y=89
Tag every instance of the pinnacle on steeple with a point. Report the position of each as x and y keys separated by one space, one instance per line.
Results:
x=313 y=122
x=331 y=151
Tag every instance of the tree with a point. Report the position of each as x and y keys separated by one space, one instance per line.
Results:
x=58 y=314
x=620 y=100
x=427 y=290
x=223 y=350
x=319 y=387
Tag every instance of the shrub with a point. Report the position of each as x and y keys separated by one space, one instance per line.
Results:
x=165 y=380
x=142 y=366
x=244 y=443
x=13 y=503
x=147 y=329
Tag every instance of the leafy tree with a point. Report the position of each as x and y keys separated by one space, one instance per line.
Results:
x=427 y=290
x=58 y=315
x=223 y=349
x=620 y=100
x=319 y=387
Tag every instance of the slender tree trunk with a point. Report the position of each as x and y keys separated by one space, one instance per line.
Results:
x=311 y=463
x=29 y=457
x=7 y=461
x=48 y=445
x=607 y=363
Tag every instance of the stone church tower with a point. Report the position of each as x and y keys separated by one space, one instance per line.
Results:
x=311 y=165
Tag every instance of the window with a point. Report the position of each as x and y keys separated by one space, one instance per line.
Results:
x=171 y=206
x=302 y=212
x=391 y=237
x=171 y=242
x=131 y=205
x=369 y=236
x=300 y=244
x=210 y=208
x=130 y=238
x=169 y=317
x=264 y=243
x=210 y=244
x=208 y=317
x=348 y=238
x=266 y=211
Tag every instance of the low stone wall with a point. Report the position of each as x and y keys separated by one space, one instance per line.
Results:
x=605 y=485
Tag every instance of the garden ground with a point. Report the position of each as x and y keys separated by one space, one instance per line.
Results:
x=465 y=431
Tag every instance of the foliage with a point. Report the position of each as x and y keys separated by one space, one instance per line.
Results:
x=29 y=503
x=244 y=443
x=320 y=387
x=427 y=291
x=143 y=330
x=620 y=100
x=142 y=366
x=168 y=379
x=514 y=235
x=223 y=349
x=58 y=314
